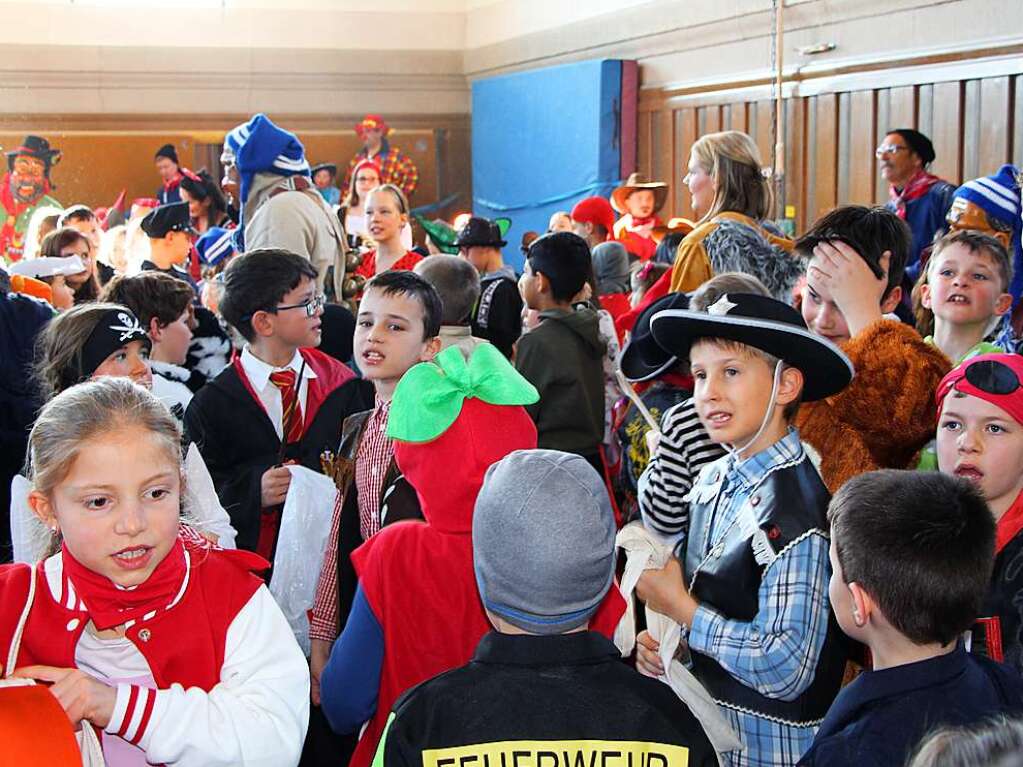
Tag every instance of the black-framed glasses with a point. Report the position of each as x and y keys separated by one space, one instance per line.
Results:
x=311 y=306
x=993 y=377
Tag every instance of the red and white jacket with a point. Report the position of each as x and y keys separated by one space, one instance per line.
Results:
x=232 y=685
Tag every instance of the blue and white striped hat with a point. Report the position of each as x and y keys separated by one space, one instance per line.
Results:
x=259 y=146
x=215 y=245
x=999 y=196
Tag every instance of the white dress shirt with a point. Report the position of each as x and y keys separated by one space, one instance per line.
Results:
x=258 y=373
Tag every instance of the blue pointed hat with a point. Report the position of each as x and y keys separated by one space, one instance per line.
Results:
x=259 y=146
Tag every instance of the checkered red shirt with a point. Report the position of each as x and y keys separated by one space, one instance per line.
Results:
x=395 y=168
x=372 y=459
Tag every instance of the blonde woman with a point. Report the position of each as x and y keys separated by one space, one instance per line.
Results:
x=731 y=198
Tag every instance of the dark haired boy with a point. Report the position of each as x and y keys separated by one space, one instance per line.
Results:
x=458 y=285
x=544 y=686
x=911 y=556
x=279 y=401
x=563 y=356
x=857 y=256
x=397 y=327
x=497 y=315
x=749 y=587
x=163 y=305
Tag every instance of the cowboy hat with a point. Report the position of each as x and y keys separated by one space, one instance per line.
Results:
x=635 y=183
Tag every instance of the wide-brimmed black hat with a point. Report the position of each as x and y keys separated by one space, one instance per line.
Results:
x=327 y=166
x=37 y=147
x=765 y=324
x=483 y=231
x=643 y=358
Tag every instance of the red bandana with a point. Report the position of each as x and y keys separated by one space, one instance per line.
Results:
x=638 y=222
x=1009 y=525
x=917 y=187
x=110 y=605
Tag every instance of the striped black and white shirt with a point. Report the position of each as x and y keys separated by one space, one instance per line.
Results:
x=683 y=450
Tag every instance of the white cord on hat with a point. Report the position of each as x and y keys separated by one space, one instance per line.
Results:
x=736 y=452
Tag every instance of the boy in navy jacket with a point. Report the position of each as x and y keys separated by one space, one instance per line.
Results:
x=911 y=557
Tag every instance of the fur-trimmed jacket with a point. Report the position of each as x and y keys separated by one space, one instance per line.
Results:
x=886 y=415
x=732 y=242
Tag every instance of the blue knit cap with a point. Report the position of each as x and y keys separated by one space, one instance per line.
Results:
x=259 y=146
x=999 y=197
x=215 y=245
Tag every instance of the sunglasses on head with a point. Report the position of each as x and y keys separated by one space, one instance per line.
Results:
x=992 y=377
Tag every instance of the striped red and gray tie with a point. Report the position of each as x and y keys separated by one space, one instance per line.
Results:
x=291 y=418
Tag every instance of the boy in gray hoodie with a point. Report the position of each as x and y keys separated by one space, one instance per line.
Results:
x=562 y=357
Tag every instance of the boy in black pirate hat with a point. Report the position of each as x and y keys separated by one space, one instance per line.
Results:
x=750 y=587
x=497 y=316
x=169 y=229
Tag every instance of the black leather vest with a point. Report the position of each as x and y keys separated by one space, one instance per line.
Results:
x=787 y=504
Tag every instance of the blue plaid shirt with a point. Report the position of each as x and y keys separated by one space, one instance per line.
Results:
x=777 y=652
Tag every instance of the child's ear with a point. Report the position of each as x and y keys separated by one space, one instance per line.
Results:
x=262 y=323
x=862 y=604
x=889 y=302
x=1003 y=304
x=790 y=386
x=430 y=350
x=155 y=331
x=42 y=508
x=925 y=296
x=543 y=285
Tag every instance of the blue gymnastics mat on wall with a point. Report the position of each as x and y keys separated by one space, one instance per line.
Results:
x=543 y=140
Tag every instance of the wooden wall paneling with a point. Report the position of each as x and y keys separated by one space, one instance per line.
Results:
x=995 y=120
x=971 y=129
x=685 y=137
x=862 y=163
x=825 y=155
x=925 y=109
x=882 y=122
x=946 y=130
x=902 y=108
x=1017 y=121
x=844 y=112
x=643 y=139
x=710 y=119
x=795 y=165
x=810 y=155
x=663 y=159
x=764 y=129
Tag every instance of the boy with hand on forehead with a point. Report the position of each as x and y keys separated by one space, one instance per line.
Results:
x=911 y=558
x=980 y=438
x=857 y=257
x=750 y=585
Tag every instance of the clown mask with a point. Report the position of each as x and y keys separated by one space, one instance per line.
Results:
x=966 y=215
x=28 y=178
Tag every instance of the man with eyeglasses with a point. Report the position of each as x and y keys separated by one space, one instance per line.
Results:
x=919 y=198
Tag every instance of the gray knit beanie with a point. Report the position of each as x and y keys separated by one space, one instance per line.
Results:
x=543 y=537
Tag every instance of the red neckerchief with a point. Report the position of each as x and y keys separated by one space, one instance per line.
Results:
x=917 y=187
x=169 y=186
x=638 y=222
x=1009 y=525
x=110 y=605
